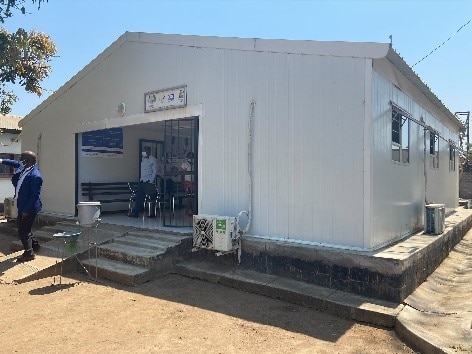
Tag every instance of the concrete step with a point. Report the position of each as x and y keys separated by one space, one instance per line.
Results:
x=173 y=237
x=152 y=243
x=139 y=256
x=41 y=235
x=59 y=227
x=335 y=302
x=67 y=222
x=9 y=227
x=118 y=272
x=16 y=246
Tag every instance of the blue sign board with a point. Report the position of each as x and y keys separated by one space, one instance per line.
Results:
x=103 y=143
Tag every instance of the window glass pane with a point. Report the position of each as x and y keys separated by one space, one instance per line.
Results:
x=452 y=158
x=395 y=152
x=405 y=139
x=431 y=143
x=437 y=150
x=395 y=127
x=4 y=169
x=434 y=149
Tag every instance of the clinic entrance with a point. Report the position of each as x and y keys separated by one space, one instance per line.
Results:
x=179 y=179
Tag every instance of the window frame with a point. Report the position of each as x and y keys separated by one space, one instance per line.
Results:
x=8 y=171
x=434 y=150
x=452 y=158
x=400 y=140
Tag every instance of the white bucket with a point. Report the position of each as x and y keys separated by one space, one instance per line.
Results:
x=88 y=212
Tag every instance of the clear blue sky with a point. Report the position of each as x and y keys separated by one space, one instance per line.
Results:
x=82 y=29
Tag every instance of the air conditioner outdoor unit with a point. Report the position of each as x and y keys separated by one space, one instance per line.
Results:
x=434 y=219
x=9 y=208
x=215 y=233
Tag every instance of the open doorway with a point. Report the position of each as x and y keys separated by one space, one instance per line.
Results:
x=179 y=182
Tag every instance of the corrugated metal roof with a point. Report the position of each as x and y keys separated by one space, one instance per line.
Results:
x=406 y=70
x=10 y=122
x=358 y=49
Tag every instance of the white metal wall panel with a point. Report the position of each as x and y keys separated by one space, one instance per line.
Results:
x=9 y=144
x=307 y=144
x=398 y=190
x=308 y=150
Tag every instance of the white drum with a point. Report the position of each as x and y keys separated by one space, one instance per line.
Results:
x=89 y=212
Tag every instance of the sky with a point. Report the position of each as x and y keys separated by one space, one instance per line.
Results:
x=82 y=29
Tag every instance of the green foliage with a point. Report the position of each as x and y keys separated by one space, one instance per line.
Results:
x=24 y=56
x=24 y=60
x=7 y=7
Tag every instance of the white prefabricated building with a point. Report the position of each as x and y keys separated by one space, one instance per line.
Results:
x=326 y=143
x=10 y=148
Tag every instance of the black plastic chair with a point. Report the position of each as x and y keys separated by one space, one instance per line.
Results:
x=132 y=198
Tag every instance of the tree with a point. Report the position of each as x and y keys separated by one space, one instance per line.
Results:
x=8 y=6
x=24 y=56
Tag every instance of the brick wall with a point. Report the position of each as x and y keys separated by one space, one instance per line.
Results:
x=465 y=185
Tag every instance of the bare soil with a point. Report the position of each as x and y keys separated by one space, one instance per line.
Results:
x=172 y=314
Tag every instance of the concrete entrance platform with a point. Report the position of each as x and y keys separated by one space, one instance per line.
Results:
x=391 y=273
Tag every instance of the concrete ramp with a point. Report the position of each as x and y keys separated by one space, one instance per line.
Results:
x=42 y=266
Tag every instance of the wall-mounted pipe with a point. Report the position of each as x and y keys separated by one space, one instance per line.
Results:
x=248 y=213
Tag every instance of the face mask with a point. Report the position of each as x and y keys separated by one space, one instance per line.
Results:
x=144 y=154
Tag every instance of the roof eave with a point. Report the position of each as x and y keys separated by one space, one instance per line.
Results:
x=398 y=62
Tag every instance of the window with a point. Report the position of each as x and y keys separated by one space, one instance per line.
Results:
x=452 y=158
x=434 y=149
x=7 y=171
x=400 y=136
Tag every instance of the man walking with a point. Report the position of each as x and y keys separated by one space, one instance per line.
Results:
x=27 y=181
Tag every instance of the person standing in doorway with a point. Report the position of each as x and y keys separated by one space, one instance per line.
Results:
x=188 y=184
x=147 y=186
x=27 y=181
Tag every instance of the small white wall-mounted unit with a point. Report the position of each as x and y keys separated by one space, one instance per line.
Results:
x=215 y=233
x=434 y=219
x=9 y=208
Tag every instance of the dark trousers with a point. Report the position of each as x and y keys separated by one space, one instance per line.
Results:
x=24 y=224
x=144 y=189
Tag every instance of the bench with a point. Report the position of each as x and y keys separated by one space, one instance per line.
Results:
x=107 y=192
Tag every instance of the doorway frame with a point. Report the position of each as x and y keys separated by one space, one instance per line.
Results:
x=174 y=155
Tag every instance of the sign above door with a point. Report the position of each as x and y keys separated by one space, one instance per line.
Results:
x=173 y=97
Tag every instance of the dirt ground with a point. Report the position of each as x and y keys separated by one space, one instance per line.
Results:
x=172 y=314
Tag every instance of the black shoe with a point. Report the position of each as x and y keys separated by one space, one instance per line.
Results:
x=132 y=215
x=152 y=216
x=25 y=258
x=36 y=246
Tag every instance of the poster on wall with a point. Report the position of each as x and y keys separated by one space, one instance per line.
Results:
x=105 y=143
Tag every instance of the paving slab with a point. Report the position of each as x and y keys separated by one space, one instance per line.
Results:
x=438 y=315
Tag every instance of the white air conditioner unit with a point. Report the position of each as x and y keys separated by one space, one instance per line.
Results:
x=9 y=208
x=434 y=219
x=215 y=233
